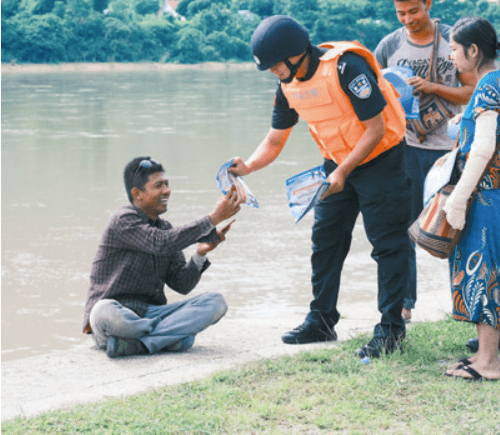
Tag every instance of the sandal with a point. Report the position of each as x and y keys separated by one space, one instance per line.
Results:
x=464 y=362
x=461 y=363
x=476 y=376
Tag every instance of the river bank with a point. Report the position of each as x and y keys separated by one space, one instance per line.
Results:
x=95 y=67
x=317 y=392
x=84 y=374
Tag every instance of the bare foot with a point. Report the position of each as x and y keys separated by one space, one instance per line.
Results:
x=471 y=360
x=474 y=372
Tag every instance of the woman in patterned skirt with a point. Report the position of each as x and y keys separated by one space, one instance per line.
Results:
x=475 y=262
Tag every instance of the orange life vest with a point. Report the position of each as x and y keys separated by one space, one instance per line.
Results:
x=322 y=103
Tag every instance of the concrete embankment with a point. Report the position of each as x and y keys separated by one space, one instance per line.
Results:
x=83 y=374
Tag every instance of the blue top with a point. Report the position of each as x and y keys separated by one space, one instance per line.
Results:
x=486 y=97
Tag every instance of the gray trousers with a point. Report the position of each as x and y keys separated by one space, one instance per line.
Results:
x=162 y=326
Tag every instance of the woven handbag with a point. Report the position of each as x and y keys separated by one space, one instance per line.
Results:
x=431 y=231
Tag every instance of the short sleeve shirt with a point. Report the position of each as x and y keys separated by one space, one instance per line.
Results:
x=396 y=50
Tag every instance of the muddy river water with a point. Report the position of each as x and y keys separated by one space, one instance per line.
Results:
x=65 y=140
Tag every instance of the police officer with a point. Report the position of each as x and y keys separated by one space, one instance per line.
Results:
x=359 y=125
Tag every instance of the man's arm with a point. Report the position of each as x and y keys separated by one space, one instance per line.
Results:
x=375 y=131
x=134 y=232
x=369 y=110
x=265 y=154
x=182 y=276
x=380 y=54
x=457 y=95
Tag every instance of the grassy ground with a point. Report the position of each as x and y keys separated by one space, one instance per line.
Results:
x=321 y=392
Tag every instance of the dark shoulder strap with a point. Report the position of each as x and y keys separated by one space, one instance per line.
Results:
x=432 y=75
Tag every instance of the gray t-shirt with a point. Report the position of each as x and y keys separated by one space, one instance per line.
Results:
x=396 y=50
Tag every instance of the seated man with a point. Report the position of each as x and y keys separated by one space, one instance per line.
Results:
x=126 y=309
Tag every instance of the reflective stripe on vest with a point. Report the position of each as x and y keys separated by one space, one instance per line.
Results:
x=322 y=103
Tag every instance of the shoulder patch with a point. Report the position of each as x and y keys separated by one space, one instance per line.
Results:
x=361 y=87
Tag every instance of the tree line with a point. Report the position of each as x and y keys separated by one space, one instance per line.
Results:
x=54 y=31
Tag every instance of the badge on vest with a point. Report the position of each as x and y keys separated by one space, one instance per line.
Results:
x=361 y=87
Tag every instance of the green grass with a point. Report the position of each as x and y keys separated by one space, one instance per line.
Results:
x=320 y=392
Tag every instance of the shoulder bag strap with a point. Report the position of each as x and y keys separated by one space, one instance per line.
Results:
x=432 y=74
x=432 y=77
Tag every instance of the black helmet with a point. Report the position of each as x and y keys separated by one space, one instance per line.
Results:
x=277 y=38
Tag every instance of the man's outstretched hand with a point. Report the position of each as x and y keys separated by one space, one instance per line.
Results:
x=204 y=248
x=226 y=207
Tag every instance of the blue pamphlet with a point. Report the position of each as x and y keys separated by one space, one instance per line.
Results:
x=398 y=75
x=226 y=179
x=304 y=190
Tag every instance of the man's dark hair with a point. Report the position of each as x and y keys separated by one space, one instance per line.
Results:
x=137 y=172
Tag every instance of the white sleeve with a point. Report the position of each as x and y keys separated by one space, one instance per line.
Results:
x=482 y=150
x=199 y=260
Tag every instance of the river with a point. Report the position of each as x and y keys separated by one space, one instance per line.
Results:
x=66 y=137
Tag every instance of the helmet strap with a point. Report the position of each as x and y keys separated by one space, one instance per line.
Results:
x=294 y=67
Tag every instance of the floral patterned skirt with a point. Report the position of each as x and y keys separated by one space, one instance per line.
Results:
x=476 y=263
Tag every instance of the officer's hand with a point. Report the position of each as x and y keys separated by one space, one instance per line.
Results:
x=337 y=182
x=239 y=167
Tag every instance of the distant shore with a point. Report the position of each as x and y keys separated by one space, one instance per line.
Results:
x=8 y=68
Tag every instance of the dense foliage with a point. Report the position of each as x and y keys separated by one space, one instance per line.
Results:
x=52 y=31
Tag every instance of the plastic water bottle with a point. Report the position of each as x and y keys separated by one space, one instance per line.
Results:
x=453 y=129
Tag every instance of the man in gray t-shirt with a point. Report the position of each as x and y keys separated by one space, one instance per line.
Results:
x=412 y=46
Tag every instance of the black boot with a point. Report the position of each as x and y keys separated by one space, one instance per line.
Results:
x=378 y=345
x=309 y=332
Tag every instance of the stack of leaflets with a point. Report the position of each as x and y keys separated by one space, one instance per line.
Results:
x=304 y=190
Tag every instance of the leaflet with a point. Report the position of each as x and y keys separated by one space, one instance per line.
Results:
x=398 y=75
x=304 y=191
x=226 y=179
